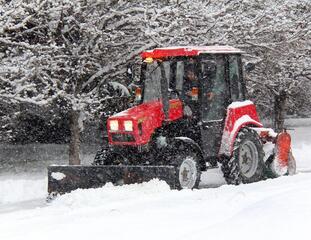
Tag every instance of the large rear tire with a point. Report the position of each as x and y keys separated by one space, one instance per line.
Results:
x=188 y=172
x=246 y=164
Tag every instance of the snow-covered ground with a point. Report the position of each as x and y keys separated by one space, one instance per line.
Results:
x=272 y=209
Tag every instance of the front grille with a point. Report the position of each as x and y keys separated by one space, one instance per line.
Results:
x=119 y=137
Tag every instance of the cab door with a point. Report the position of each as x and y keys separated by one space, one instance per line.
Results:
x=214 y=100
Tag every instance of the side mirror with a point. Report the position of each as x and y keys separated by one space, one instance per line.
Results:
x=249 y=67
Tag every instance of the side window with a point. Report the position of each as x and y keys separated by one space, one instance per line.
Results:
x=235 y=79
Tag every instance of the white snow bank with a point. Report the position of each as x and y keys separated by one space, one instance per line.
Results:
x=297 y=122
x=17 y=190
x=303 y=158
x=300 y=136
x=110 y=194
x=58 y=175
x=262 y=210
x=301 y=146
x=151 y=211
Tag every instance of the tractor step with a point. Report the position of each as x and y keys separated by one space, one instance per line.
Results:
x=64 y=179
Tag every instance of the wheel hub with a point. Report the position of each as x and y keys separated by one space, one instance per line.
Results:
x=248 y=159
x=188 y=173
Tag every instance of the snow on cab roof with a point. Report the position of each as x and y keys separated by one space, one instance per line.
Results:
x=187 y=51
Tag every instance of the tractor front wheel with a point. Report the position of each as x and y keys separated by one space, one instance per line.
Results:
x=246 y=164
x=108 y=157
x=188 y=170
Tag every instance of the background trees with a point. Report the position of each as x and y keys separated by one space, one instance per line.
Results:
x=63 y=54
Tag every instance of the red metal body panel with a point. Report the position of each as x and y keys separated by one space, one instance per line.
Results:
x=237 y=117
x=187 y=51
x=150 y=115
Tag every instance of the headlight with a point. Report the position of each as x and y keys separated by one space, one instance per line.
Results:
x=128 y=126
x=114 y=125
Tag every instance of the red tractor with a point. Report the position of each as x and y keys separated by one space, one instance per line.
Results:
x=190 y=114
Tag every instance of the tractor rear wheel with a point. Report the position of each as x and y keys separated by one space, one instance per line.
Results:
x=246 y=164
x=188 y=173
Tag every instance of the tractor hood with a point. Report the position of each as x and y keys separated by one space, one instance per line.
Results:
x=150 y=109
x=135 y=126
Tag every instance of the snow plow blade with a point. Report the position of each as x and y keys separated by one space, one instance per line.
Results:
x=64 y=179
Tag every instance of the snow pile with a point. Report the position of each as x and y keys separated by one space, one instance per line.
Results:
x=303 y=158
x=268 y=149
x=301 y=144
x=58 y=175
x=298 y=122
x=110 y=195
x=152 y=211
x=16 y=190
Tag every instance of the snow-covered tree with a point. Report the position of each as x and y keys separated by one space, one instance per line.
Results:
x=51 y=49
x=275 y=35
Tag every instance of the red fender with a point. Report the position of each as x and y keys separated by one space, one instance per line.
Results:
x=239 y=114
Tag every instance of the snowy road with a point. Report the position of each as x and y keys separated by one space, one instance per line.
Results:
x=278 y=208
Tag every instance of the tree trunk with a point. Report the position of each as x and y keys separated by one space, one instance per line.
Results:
x=74 y=145
x=279 y=110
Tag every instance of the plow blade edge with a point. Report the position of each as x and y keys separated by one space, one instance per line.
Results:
x=64 y=179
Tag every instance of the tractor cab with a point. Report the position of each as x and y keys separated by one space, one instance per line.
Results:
x=184 y=91
x=197 y=76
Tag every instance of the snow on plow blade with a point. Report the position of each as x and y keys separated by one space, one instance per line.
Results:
x=64 y=179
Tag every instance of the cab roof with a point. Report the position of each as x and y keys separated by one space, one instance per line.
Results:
x=180 y=51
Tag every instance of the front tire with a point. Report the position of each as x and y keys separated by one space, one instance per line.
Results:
x=108 y=157
x=188 y=172
x=100 y=157
x=246 y=164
